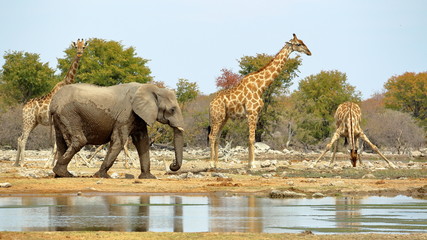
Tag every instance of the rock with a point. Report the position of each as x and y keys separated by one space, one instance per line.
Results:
x=266 y=164
x=261 y=147
x=369 y=176
x=5 y=185
x=267 y=175
x=290 y=183
x=190 y=175
x=318 y=195
x=417 y=154
x=286 y=151
x=286 y=194
x=115 y=175
x=219 y=175
x=35 y=173
x=129 y=176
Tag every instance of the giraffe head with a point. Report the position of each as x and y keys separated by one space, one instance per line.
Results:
x=298 y=45
x=353 y=157
x=80 y=46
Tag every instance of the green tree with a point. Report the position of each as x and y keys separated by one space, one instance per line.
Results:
x=316 y=101
x=270 y=113
x=408 y=93
x=186 y=91
x=107 y=63
x=24 y=77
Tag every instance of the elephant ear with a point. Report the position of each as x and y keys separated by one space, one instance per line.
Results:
x=144 y=104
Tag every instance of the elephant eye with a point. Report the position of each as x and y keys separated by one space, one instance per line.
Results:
x=172 y=110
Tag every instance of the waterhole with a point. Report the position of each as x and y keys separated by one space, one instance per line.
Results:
x=210 y=213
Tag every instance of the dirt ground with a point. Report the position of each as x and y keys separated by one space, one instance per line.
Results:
x=284 y=173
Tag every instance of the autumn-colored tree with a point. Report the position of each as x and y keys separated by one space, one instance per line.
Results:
x=227 y=79
x=107 y=63
x=24 y=77
x=407 y=93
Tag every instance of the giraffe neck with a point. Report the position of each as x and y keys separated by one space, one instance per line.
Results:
x=264 y=77
x=69 y=78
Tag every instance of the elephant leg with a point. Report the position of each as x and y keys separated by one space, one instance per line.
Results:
x=60 y=168
x=72 y=142
x=141 y=141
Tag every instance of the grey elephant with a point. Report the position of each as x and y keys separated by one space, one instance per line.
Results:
x=87 y=114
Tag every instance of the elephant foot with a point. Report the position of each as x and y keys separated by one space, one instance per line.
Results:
x=16 y=164
x=61 y=172
x=100 y=174
x=146 y=176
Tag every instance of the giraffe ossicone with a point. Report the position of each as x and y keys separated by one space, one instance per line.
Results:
x=245 y=99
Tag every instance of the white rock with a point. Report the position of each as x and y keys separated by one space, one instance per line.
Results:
x=5 y=185
x=261 y=146
x=318 y=195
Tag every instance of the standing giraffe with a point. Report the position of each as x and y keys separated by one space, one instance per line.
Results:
x=347 y=118
x=245 y=99
x=36 y=110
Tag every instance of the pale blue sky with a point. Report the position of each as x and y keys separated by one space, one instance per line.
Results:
x=369 y=40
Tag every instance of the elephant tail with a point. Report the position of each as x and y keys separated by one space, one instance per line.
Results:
x=51 y=128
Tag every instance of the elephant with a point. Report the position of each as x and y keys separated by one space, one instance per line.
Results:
x=85 y=114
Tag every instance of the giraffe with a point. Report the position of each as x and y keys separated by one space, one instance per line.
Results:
x=245 y=99
x=347 y=119
x=36 y=110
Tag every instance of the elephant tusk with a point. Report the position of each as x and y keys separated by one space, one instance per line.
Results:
x=180 y=129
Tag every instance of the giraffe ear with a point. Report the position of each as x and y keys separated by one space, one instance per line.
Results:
x=73 y=44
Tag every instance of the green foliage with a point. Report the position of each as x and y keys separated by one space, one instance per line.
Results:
x=24 y=77
x=408 y=93
x=270 y=112
x=107 y=63
x=186 y=90
x=316 y=101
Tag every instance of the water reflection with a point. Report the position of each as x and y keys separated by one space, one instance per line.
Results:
x=160 y=213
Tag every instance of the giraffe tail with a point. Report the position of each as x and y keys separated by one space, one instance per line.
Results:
x=209 y=131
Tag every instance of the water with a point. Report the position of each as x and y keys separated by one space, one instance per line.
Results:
x=209 y=213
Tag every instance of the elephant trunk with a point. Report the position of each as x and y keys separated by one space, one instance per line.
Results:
x=179 y=148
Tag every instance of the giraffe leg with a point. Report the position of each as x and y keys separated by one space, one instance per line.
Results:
x=358 y=153
x=328 y=147
x=252 y=121
x=375 y=148
x=131 y=161
x=94 y=154
x=214 y=144
x=333 y=154
x=22 y=142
